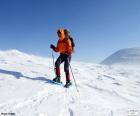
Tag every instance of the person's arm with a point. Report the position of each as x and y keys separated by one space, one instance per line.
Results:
x=57 y=48
x=54 y=48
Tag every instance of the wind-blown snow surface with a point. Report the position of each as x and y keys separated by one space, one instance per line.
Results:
x=129 y=56
x=103 y=90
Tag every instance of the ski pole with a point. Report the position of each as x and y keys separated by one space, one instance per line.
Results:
x=74 y=78
x=53 y=61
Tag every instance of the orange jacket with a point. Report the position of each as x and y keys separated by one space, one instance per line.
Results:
x=64 y=44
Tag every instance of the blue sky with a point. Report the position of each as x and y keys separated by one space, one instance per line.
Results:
x=99 y=27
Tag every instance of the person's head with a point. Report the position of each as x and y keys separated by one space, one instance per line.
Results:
x=61 y=33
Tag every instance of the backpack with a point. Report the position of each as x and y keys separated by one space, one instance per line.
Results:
x=72 y=42
x=71 y=39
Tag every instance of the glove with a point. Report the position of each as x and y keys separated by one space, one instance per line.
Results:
x=52 y=46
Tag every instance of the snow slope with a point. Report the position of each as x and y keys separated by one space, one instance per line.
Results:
x=103 y=90
x=128 y=56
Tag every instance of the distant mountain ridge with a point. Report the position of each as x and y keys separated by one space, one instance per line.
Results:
x=130 y=56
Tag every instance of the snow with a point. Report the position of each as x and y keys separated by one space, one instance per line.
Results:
x=103 y=90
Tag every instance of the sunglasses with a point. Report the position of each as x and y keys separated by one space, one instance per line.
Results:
x=58 y=33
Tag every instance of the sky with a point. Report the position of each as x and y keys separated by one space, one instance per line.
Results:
x=99 y=27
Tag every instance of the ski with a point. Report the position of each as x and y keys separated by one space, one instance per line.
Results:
x=57 y=83
x=53 y=82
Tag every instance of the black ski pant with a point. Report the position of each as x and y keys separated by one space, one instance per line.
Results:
x=63 y=58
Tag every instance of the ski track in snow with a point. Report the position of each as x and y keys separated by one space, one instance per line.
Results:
x=103 y=90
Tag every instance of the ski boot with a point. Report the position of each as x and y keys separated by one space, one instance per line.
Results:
x=68 y=83
x=57 y=80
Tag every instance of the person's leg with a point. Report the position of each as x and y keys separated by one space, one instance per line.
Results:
x=57 y=68
x=57 y=65
x=66 y=68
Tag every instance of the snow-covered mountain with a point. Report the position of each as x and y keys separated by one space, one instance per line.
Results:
x=103 y=90
x=129 y=56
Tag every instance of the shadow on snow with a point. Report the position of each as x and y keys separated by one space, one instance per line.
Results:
x=18 y=75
